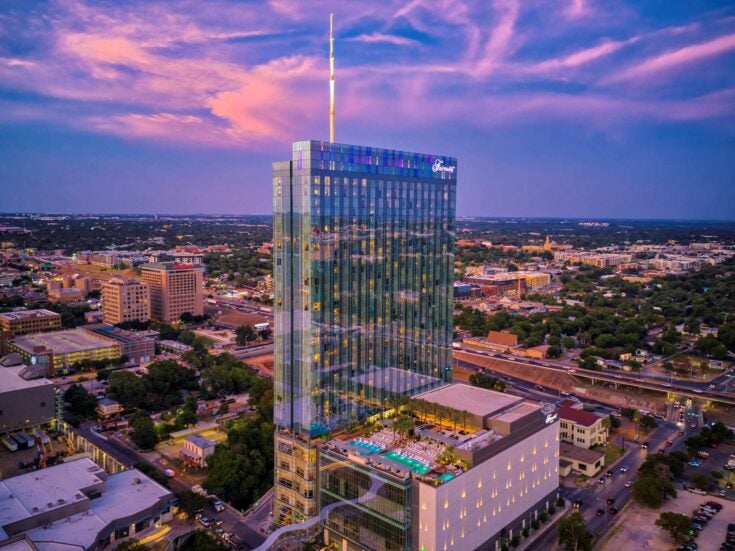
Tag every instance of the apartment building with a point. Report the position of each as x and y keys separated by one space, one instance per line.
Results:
x=125 y=299
x=174 y=289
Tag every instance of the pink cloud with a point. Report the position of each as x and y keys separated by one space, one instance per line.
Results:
x=385 y=38
x=675 y=58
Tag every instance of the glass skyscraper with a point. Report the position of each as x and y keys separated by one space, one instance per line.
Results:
x=363 y=273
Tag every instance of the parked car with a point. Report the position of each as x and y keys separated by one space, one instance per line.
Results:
x=600 y=512
x=218 y=506
x=624 y=469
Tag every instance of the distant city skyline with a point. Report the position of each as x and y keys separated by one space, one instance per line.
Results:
x=574 y=109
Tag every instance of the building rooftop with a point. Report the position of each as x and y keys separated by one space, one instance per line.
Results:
x=39 y=491
x=123 y=495
x=64 y=342
x=199 y=441
x=475 y=400
x=516 y=412
x=115 y=333
x=570 y=451
x=398 y=381
x=169 y=266
x=10 y=379
x=26 y=314
x=578 y=416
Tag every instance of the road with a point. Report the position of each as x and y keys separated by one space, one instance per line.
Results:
x=232 y=519
x=688 y=389
x=596 y=495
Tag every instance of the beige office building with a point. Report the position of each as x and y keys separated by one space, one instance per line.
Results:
x=125 y=299
x=175 y=289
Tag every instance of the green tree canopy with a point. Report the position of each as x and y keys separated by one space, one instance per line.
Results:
x=573 y=533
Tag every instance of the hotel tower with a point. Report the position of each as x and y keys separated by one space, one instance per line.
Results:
x=363 y=273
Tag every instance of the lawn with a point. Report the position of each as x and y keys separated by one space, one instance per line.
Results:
x=612 y=452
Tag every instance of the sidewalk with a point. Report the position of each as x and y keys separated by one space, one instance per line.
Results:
x=543 y=530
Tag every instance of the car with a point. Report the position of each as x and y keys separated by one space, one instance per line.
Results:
x=624 y=469
x=602 y=480
x=714 y=444
x=661 y=451
x=644 y=445
x=697 y=526
x=578 y=503
x=600 y=512
x=714 y=505
x=722 y=493
x=610 y=500
x=669 y=443
x=609 y=473
x=204 y=521
x=613 y=510
x=218 y=506
x=702 y=455
x=628 y=483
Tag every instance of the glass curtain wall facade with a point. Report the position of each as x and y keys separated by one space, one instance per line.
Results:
x=363 y=280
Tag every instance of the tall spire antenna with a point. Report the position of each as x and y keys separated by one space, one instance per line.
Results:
x=331 y=81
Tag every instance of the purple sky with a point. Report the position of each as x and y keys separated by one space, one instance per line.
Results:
x=588 y=108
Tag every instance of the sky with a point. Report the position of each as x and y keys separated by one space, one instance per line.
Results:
x=558 y=108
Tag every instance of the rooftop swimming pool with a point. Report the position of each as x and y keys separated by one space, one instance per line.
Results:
x=446 y=477
x=416 y=466
x=365 y=448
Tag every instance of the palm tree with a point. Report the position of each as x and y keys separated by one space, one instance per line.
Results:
x=465 y=414
x=402 y=424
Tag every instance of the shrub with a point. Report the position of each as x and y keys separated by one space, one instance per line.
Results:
x=525 y=532
x=543 y=517
x=515 y=541
x=552 y=510
x=535 y=524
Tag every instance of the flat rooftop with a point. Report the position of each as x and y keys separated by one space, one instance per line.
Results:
x=169 y=266
x=11 y=380
x=33 y=493
x=124 y=495
x=517 y=412
x=399 y=381
x=64 y=342
x=28 y=314
x=475 y=400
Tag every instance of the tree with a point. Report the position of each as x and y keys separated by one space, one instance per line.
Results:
x=131 y=545
x=201 y=541
x=80 y=401
x=677 y=525
x=700 y=481
x=144 y=431
x=245 y=334
x=403 y=424
x=573 y=533
x=190 y=503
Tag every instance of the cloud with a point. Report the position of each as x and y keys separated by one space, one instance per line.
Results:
x=227 y=76
x=385 y=38
x=673 y=59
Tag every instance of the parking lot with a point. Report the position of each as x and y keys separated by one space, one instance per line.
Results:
x=636 y=528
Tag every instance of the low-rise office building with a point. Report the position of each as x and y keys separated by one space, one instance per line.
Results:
x=580 y=460
x=23 y=322
x=59 y=350
x=77 y=505
x=446 y=487
x=581 y=428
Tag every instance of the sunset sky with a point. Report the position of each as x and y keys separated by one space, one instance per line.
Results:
x=584 y=108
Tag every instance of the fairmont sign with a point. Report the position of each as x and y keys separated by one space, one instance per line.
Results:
x=551 y=417
x=439 y=166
